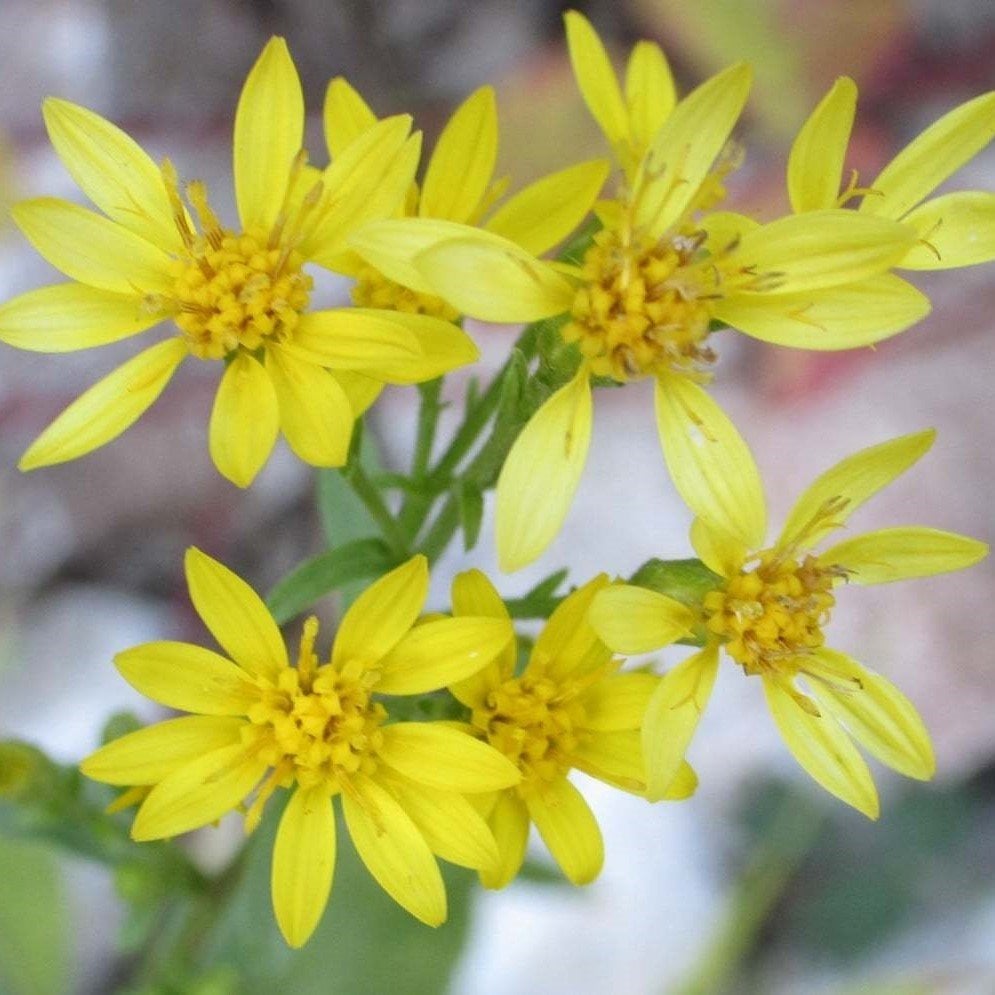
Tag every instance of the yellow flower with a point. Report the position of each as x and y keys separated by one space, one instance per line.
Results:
x=568 y=709
x=643 y=303
x=321 y=730
x=628 y=121
x=954 y=229
x=239 y=294
x=768 y=612
x=458 y=190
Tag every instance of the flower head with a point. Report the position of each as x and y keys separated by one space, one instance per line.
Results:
x=568 y=709
x=319 y=729
x=238 y=294
x=768 y=611
x=955 y=229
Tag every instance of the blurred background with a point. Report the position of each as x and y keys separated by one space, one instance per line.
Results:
x=761 y=883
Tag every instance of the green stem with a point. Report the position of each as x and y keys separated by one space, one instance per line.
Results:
x=369 y=494
x=416 y=505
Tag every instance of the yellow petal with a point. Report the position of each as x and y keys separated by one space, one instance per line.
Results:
x=382 y=614
x=685 y=147
x=805 y=252
x=315 y=415
x=368 y=180
x=547 y=211
x=710 y=464
x=394 y=851
x=269 y=132
x=346 y=116
x=113 y=171
x=725 y=229
x=353 y=339
x=432 y=753
x=188 y=678
x=474 y=594
x=719 y=551
x=902 y=553
x=303 y=863
x=596 y=78
x=235 y=616
x=509 y=822
x=541 y=473
x=618 y=702
x=150 y=755
x=815 y=165
x=931 y=157
x=392 y=245
x=568 y=644
x=109 y=407
x=650 y=94
x=442 y=347
x=874 y=712
x=198 y=793
x=613 y=757
x=840 y=491
x=845 y=317
x=569 y=829
x=462 y=163
x=452 y=827
x=957 y=229
x=672 y=717
x=820 y=745
x=494 y=282
x=360 y=390
x=245 y=420
x=633 y=619
x=72 y=316
x=88 y=247
x=442 y=652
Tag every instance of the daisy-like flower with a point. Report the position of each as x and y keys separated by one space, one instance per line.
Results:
x=458 y=189
x=235 y=294
x=768 y=611
x=954 y=229
x=661 y=273
x=321 y=730
x=569 y=709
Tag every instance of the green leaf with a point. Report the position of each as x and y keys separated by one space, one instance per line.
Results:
x=470 y=499
x=313 y=579
x=364 y=943
x=34 y=922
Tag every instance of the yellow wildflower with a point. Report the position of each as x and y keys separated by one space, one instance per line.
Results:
x=954 y=229
x=568 y=709
x=321 y=730
x=240 y=294
x=768 y=612
x=458 y=189
x=662 y=270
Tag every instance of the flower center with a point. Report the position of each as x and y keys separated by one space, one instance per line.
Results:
x=373 y=289
x=536 y=723
x=773 y=615
x=638 y=313
x=236 y=289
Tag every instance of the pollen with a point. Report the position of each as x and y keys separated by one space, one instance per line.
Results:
x=640 y=312
x=772 y=616
x=537 y=723
x=373 y=289
x=317 y=724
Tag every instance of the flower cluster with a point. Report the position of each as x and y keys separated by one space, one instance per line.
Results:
x=655 y=268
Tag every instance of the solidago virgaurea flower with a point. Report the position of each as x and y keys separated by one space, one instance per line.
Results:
x=664 y=269
x=568 y=709
x=768 y=611
x=235 y=294
x=458 y=189
x=319 y=730
x=954 y=229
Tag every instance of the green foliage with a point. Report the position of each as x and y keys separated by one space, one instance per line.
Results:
x=470 y=499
